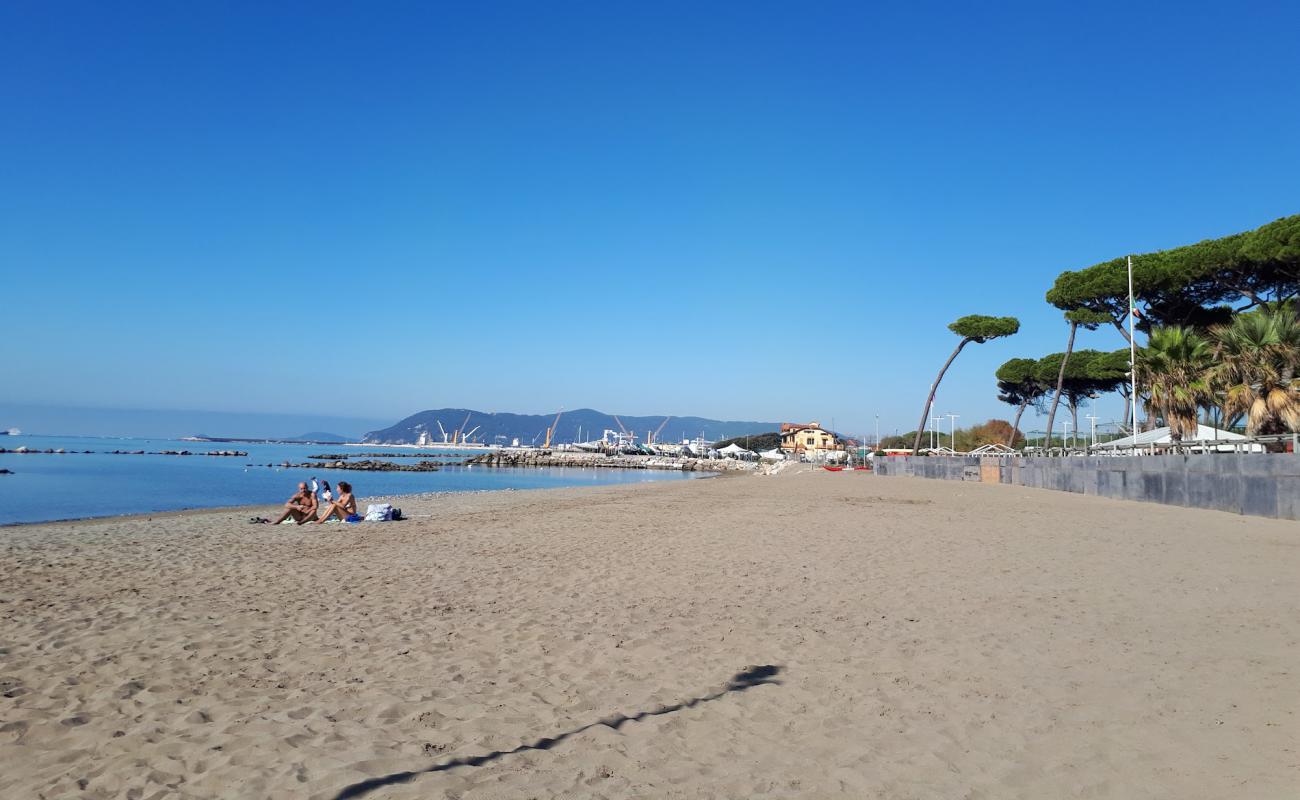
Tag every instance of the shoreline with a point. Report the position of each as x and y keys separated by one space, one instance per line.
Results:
x=149 y=516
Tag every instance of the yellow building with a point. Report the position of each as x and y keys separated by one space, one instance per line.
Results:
x=811 y=438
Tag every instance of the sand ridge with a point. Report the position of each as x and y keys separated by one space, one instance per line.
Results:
x=924 y=639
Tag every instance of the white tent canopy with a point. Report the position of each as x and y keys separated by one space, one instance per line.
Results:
x=1204 y=433
x=734 y=449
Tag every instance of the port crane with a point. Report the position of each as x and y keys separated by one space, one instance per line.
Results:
x=455 y=437
x=630 y=436
x=654 y=436
x=625 y=438
x=444 y=430
x=465 y=439
x=550 y=432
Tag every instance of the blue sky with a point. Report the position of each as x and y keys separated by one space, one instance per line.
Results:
x=743 y=211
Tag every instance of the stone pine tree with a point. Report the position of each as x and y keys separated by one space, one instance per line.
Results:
x=1078 y=318
x=1018 y=385
x=1196 y=286
x=972 y=328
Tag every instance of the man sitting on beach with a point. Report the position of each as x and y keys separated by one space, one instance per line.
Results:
x=302 y=506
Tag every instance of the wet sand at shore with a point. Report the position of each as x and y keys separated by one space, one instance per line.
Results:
x=807 y=635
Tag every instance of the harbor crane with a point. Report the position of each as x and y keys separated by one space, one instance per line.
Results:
x=654 y=436
x=465 y=439
x=455 y=437
x=550 y=432
x=444 y=431
x=622 y=428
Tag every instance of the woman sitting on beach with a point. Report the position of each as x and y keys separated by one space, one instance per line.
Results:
x=343 y=507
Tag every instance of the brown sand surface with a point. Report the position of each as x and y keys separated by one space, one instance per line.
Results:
x=933 y=640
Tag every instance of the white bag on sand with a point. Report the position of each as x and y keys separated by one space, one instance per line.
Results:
x=381 y=512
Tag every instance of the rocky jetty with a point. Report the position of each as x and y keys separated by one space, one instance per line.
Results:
x=60 y=451
x=345 y=456
x=361 y=466
x=546 y=458
x=240 y=453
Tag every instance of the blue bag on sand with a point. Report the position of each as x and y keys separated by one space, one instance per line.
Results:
x=352 y=518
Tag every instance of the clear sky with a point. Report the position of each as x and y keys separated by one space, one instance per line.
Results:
x=743 y=211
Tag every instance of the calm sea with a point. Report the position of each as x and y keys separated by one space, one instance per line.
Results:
x=98 y=484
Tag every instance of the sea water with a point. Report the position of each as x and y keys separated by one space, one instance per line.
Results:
x=97 y=484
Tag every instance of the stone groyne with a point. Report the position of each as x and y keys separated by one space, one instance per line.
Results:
x=543 y=458
x=361 y=466
x=61 y=451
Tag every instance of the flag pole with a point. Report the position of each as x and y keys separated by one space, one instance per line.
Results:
x=1132 y=354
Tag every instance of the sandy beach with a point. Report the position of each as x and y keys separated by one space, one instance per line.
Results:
x=805 y=635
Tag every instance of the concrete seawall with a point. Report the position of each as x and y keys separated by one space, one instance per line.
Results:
x=1258 y=484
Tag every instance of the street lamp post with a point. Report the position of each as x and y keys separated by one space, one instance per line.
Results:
x=952 y=437
x=1093 y=418
x=934 y=432
x=877 y=431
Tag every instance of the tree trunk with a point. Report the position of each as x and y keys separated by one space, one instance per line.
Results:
x=1015 y=426
x=1119 y=326
x=1074 y=419
x=1060 y=381
x=929 y=401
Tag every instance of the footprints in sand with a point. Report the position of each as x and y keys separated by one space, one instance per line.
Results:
x=568 y=636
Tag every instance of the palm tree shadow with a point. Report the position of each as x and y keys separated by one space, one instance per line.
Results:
x=742 y=681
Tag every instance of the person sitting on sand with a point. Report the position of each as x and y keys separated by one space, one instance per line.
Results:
x=302 y=506
x=343 y=507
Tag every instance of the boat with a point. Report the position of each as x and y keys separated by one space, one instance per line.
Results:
x=833 y=469
x=11 y=432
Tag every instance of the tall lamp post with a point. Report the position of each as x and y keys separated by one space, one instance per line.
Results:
x=1132 y=353
x=934 y=432
x=877 y=431
x=952 y=437
x=1093 y=418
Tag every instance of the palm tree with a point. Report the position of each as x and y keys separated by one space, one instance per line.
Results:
x=1078 y=318
x=971 y=328
x=1257 y=358
x=1172 y=370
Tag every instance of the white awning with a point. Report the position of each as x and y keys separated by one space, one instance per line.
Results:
x=1204 y=433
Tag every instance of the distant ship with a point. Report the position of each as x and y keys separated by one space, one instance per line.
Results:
x=11 y=432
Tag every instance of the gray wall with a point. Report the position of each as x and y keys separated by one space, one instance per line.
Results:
x=1259 y=484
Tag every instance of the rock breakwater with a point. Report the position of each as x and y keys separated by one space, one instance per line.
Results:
x=361 y=466
x=544 y=458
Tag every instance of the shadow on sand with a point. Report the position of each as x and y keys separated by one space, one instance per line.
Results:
x=745 y=679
